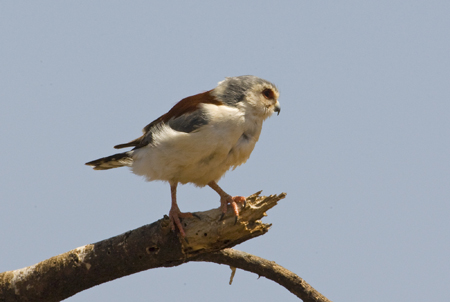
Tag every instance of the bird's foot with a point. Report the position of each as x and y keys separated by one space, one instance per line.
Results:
x=233 y=201
x=175 y=215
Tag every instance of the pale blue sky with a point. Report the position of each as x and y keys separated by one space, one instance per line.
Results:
x=361 y=145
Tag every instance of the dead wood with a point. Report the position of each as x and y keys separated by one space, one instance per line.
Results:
x=147 y=247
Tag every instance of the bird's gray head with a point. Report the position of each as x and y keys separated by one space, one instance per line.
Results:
x=251 y=92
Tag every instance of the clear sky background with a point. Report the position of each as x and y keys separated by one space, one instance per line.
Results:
x=361 y=146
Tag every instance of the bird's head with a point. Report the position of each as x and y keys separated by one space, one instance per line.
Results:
x=255 y=96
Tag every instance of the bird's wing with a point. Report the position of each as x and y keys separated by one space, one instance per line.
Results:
x=145 y=139
x=188 y=122
x=186 y=116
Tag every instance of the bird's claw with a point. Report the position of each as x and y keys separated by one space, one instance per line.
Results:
x=221 y=216
x=233 y=202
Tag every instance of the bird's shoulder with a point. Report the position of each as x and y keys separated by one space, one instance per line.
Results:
x=185 y=116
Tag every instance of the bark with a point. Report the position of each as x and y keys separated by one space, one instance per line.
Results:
x=152 y=246
x=265 y=268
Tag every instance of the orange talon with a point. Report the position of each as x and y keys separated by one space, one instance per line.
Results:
x=226 y=199
x=175 y=214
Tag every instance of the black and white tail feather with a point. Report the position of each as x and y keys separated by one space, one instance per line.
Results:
x=113 y=161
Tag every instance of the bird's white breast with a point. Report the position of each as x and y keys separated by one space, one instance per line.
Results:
x=203 y=155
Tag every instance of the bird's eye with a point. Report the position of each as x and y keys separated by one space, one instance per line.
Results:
x=268 y=93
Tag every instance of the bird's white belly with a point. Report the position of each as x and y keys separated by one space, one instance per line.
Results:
x=196 y=157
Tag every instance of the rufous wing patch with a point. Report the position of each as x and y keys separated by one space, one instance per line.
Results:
x=186 y=105
x=189 y=104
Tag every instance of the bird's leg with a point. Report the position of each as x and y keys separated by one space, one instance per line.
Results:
x=175 y=214
x=226 y=199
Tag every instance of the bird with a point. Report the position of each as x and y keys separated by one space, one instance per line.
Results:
x=199 y=139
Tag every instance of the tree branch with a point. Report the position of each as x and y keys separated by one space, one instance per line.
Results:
x=265 y=268
x=152 y=246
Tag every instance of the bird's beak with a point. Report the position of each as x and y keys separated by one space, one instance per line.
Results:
x=277 y=108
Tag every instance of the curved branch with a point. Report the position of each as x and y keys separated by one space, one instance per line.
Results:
x=150 y=246
x=265 y=268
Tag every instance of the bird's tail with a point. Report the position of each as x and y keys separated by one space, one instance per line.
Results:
x=113 y=161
